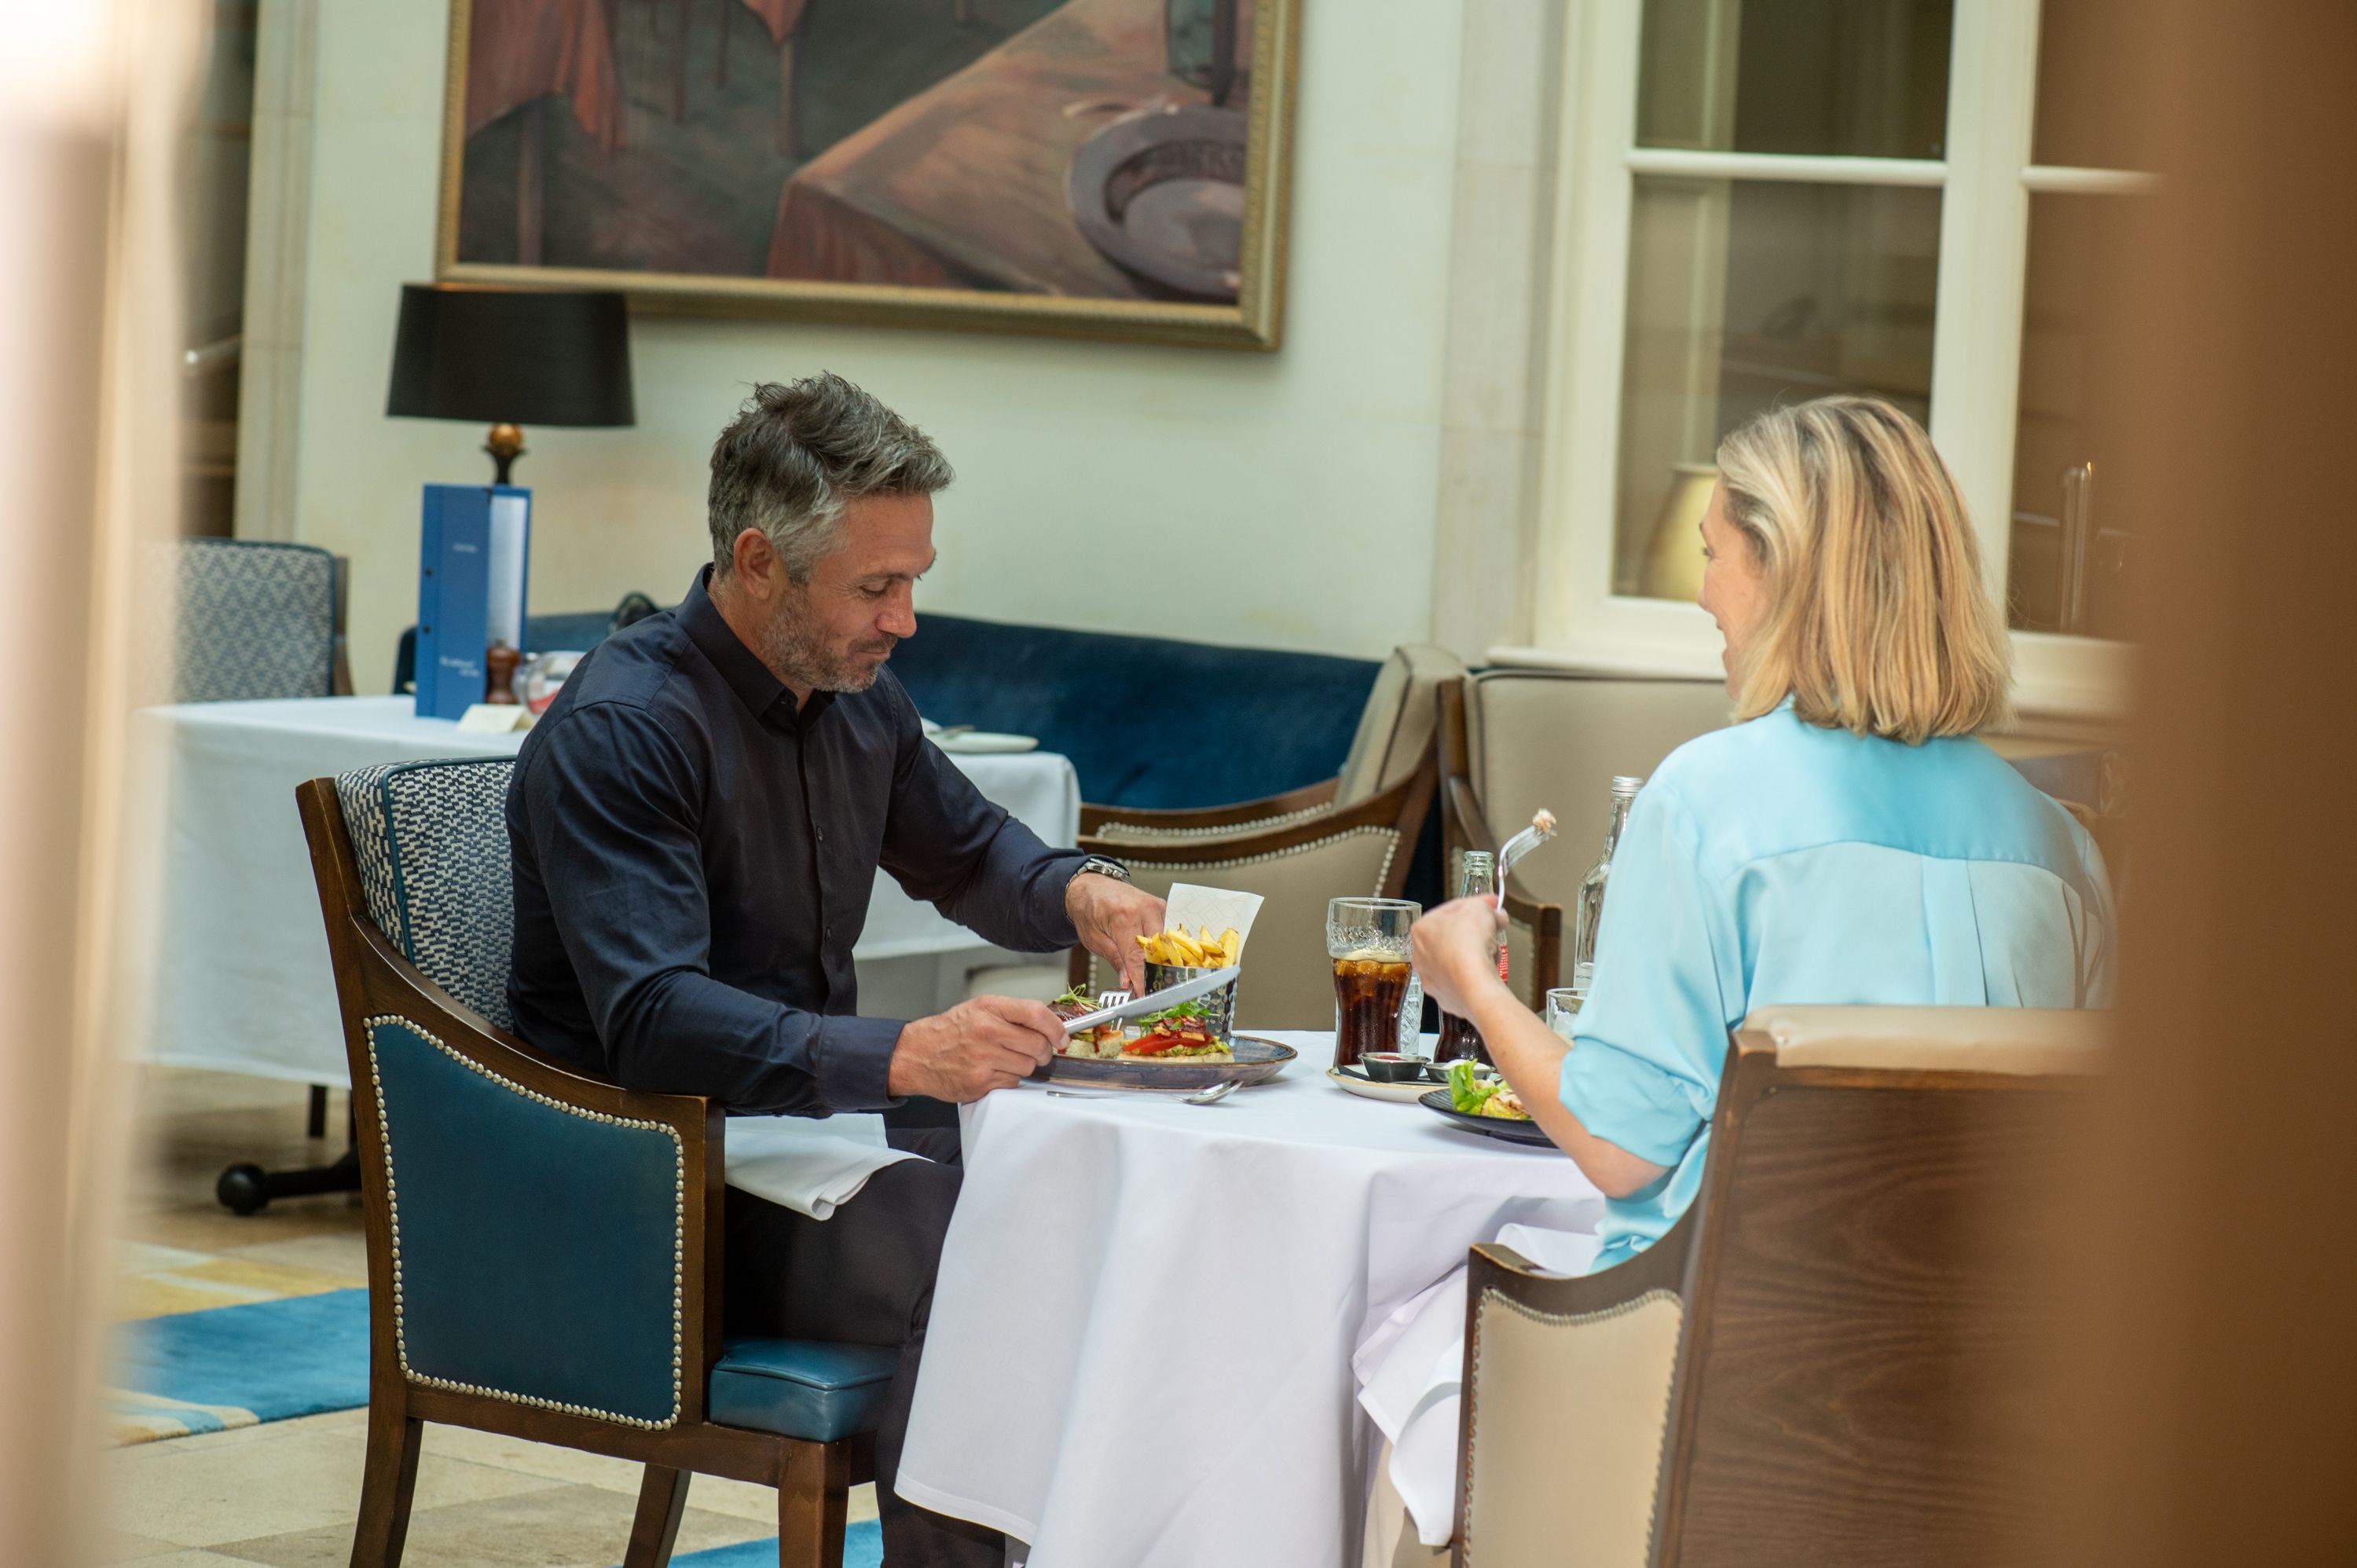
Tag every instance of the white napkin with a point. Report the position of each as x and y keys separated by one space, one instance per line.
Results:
x=1192 y=907
x=1411 y=1372
x=811 y=1165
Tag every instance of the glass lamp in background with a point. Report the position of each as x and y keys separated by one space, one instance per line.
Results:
x=508 y=357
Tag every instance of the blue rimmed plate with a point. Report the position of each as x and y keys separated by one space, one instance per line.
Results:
x=1258 y=1061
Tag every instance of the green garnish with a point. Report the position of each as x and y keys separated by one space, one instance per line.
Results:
x=1179 y=1010
x=1075 y=997
x=1467 y=1091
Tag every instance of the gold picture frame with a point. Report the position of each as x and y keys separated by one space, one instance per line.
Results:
x=1134 y=307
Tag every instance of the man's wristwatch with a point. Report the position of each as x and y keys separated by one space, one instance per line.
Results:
x=1103 y=867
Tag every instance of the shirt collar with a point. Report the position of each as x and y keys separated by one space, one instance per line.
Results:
x=755 y=686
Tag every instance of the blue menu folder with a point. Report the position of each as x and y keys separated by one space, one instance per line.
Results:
x=475 y=550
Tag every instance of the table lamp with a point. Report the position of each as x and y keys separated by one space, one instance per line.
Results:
x=511 y=357
x=1673 y=557
x=504 y=357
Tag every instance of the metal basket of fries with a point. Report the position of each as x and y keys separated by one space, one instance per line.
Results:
x=1173 y=958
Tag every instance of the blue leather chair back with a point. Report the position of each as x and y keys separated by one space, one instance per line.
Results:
x=256 y=620
x=537 y=1246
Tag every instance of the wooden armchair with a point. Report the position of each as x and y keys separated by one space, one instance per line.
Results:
x=544 y=1252
x=1297 y=867
x=1393 y=739
x=1833 y=1357
x=1515 y=740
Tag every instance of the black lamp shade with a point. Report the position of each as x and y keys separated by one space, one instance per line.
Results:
x=512 y=356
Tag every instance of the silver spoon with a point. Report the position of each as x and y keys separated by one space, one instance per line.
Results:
x=1211 y=1096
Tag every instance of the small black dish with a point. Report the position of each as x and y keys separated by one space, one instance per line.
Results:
x=1390 y=1067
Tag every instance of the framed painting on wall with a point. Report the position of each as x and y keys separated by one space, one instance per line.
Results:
x=1111 y=169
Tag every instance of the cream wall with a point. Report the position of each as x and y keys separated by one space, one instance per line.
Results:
x=1283 y=500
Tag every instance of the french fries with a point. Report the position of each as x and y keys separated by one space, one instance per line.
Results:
x=1202 y=950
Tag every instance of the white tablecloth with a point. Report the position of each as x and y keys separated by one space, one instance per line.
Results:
x=1141 y=1336
x=243 y=982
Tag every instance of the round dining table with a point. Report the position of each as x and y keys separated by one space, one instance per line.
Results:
x=1139 y=1350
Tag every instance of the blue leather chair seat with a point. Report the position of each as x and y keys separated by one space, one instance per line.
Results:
x=800 y=1388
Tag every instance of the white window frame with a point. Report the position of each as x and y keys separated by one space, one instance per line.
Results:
x=1986 y=181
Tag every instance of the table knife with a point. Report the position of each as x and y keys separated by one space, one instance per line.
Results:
x=1155 y=1001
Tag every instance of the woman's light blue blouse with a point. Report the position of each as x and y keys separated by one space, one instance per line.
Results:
x=1776 y=862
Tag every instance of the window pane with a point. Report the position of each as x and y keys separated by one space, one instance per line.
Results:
x=1841 y=78
x=2082 y=115
x=2068 y=564
x=1743 y=294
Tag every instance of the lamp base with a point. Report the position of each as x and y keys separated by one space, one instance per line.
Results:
x=505 y=444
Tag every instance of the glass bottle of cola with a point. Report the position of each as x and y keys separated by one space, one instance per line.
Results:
x=1589 y=913
x=1476 y=877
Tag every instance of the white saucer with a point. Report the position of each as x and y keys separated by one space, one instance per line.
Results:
x=1367 y=1088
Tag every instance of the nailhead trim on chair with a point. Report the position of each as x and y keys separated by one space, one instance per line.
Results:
x=1148 y=833
x=1384 y=871
x=393 y=1211
x=1558 y=1320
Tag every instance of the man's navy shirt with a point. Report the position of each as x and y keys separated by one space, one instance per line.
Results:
x=693 y=859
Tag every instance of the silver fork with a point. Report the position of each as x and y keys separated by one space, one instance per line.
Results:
x=1106 y=999
x=1542 y=829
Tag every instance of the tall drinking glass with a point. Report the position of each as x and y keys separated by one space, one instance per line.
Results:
x=1367 y=939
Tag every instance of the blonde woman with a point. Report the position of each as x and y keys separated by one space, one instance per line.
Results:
x=1847 y=839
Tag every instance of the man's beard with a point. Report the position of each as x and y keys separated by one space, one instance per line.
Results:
x=796 y=653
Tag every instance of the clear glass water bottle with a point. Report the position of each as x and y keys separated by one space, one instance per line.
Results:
x=1589 y=913
x=1476 y=877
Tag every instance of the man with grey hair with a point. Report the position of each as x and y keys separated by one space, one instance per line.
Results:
x=697 y=823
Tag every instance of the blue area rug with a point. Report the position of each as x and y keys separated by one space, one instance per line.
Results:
x=271 y=1360
x=236 y=1365
x=863 y=1547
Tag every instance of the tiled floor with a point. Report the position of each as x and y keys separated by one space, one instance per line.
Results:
x=284 y=1493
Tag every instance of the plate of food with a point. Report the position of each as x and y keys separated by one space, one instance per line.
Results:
x=1172 y=1049
x=1485 y=1105
x=1189 y=1044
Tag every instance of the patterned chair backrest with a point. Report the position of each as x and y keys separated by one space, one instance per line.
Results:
x=431 y=839
x=256 y=620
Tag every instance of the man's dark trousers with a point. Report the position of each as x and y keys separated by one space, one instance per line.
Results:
x=864 y=1276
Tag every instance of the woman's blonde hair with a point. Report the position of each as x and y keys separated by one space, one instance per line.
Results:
x=1878 y=620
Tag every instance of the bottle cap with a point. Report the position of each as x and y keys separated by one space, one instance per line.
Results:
x=1624 y=784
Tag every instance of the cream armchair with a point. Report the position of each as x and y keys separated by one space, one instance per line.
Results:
x=1295 y=867
x=1393 y=739
x=1832 y=1358
x=1515 y=740
x=1351 y=835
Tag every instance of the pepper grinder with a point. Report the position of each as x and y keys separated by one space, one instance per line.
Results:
x=500 y=662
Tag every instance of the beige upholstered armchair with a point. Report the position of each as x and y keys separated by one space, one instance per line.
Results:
x=1395 y=736
x=1832 y=1357
x=1515 y=740
x=1295 y=867
x=1352 y=834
